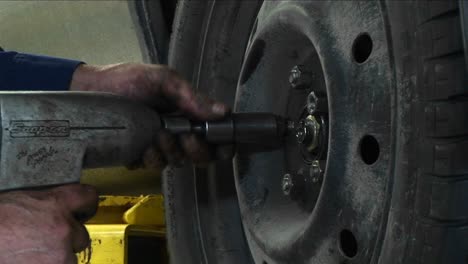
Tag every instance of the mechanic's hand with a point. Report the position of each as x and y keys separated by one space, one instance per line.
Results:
x=163 y=89
x=45 y=226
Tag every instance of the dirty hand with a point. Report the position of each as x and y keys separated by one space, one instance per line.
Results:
x=163 y=89
x=45 y=226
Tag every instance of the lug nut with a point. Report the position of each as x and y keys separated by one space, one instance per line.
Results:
x=297 y=185
x=315 y=171
x=287 y=184
x=293 y=185
x=308 y=132
x=299 y=78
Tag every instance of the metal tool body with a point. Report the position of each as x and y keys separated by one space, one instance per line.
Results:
x=242 y=128
x=47 y=138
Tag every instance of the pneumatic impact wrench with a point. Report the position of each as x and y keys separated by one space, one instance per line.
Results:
x=47 y=138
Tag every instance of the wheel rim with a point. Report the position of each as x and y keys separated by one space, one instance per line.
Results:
x=340 y=215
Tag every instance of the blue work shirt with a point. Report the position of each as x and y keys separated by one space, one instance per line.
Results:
x=27 y=72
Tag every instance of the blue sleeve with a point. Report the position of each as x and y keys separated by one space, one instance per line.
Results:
x=27 y=72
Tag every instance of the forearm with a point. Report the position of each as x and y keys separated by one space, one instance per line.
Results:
x=28 y=72
x=105 y=78
x=85 y=78
x=125 y=79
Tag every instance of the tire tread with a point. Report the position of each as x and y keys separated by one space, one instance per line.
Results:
x=441 y=223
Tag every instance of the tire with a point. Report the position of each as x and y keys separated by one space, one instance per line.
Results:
x=409 y=205
x=155 y=27
x=203 y=222
x=429 y=200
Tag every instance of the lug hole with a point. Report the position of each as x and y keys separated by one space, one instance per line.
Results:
x=348 y=243
x=369 y=149
x=362 y=48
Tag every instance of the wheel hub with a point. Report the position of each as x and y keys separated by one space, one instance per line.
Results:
x=294 y=88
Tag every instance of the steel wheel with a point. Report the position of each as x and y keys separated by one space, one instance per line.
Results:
x=346 y=219
x=376 y=82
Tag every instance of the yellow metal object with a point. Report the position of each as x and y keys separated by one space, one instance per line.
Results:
x=121 y=181
x=126 y=224
x=143 y=212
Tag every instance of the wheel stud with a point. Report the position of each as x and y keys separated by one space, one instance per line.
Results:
x=299 y=78
x=296 y=185
x=315 y=171
x=316 y=103
x=302 y=133
x=312 y=101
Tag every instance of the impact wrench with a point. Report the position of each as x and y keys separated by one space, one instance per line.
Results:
x=49 y=137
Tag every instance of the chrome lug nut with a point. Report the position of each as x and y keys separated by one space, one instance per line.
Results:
x=308 y=133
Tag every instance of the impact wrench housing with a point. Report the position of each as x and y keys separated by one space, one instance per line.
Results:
x=47 y=138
